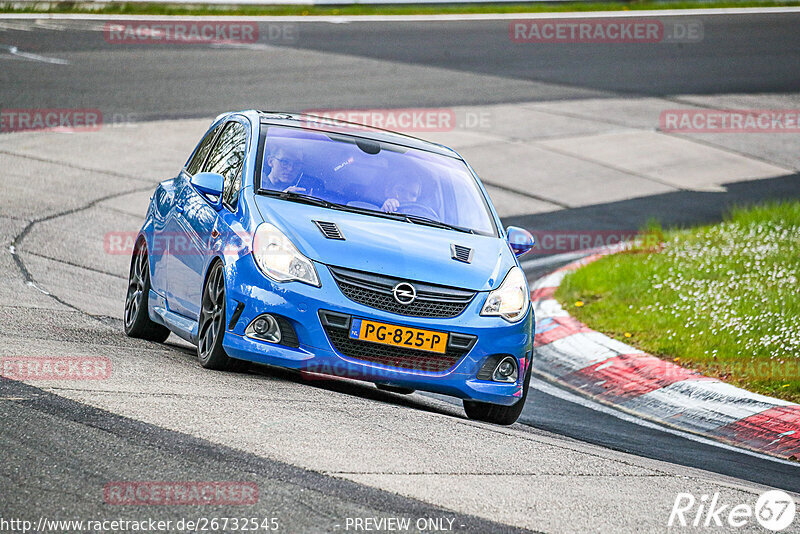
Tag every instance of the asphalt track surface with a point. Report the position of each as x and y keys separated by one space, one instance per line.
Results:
x=397 y=64
x=56 y=450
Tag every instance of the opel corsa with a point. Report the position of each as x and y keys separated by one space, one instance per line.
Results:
x=338 y=249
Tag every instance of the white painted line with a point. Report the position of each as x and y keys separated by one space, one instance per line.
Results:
x=14 y=51
x=419 y=18
x=559 y=393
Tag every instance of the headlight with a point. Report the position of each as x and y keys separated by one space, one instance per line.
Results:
x=279 y=259
x=511 y=299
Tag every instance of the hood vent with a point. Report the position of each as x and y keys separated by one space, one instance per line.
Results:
x=460 y=253
x=329 y=230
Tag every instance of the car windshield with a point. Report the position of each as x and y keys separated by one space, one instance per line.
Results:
x=373 y=176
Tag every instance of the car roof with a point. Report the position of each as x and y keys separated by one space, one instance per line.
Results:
x=316 y=123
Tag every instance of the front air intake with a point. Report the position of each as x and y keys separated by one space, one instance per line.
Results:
x=329 y=230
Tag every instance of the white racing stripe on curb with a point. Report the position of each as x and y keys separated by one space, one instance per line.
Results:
x=701 y=405
x=546 y=308
x=577 y=352
x=554 y=391
x=551 y=280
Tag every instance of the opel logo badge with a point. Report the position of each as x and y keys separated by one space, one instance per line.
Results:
x=404 y=293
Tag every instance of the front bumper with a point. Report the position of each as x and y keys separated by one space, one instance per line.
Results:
x=301 y=305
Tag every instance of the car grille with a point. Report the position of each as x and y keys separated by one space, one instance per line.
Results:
x=429 y=362
x=375 y=291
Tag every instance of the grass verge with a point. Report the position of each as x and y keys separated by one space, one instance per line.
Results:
x=722 y=299
x=136 y=8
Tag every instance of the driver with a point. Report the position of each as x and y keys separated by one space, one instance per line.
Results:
x=286 y=172
x=403 y=191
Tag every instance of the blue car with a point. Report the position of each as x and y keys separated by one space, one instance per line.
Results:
x=337 y=249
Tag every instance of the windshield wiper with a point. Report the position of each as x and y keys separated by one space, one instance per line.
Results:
x=295 y=197
x=316 y=201
x=418 y=219
x=367 y=211
x=415 y=219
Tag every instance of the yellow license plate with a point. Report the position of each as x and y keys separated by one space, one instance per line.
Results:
x=398 y=336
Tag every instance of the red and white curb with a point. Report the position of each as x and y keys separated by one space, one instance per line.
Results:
x=611 y=372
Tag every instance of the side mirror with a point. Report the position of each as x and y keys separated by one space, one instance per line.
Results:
x=210 y=184
x=520 y=240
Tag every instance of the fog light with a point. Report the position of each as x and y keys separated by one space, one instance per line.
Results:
x=264 y=327
x=261 y=326
x=506 y=370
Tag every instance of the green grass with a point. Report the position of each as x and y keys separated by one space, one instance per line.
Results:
x=363 y=9
x=721 y=299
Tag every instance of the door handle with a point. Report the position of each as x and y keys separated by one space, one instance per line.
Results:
x=179 y=208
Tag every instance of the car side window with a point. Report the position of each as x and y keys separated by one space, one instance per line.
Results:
x=227 y=159
x=202 y=151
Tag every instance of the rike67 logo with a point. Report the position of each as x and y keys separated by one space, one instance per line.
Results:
x=774 y=510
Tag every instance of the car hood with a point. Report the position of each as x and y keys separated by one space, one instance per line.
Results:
x=390 y=247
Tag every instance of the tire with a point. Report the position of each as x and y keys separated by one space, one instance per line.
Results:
x=211 y=330
x=136 y=319
x=497 y=413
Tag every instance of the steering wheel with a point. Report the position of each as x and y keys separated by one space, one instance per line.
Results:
x=417 y=208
